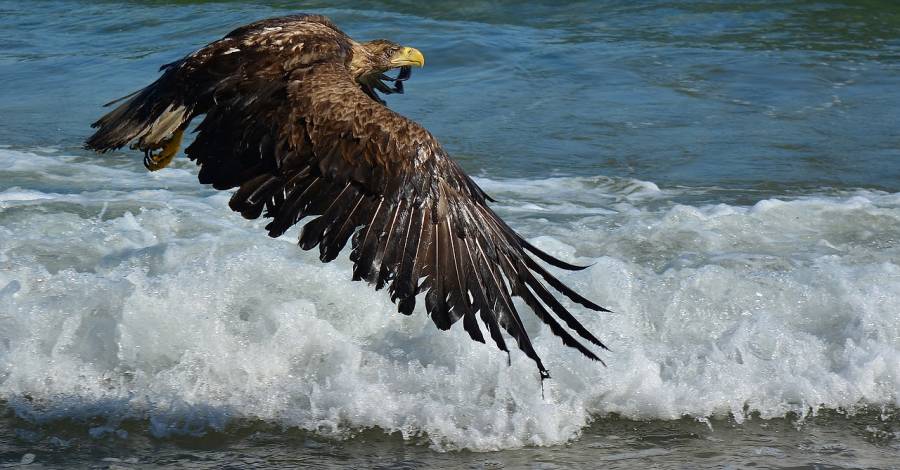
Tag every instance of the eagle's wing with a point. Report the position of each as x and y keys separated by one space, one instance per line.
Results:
x=321 y=147
x=251 y=59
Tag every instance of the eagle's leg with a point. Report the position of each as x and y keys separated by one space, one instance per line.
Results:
x=158 y=161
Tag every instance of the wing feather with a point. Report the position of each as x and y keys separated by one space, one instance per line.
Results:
x=487 y=305
x=335 y=239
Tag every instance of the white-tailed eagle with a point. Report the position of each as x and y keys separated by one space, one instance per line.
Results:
x=294 y=121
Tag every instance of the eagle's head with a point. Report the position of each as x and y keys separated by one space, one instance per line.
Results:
x=371 y=60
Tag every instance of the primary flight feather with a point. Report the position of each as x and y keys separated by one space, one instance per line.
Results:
x=294 y=121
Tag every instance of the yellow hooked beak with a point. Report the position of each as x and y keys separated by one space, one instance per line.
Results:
x=408 y=56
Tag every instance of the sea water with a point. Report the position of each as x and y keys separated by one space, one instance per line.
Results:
x=730 y=171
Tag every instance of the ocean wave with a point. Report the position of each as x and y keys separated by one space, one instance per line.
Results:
x=130 y=296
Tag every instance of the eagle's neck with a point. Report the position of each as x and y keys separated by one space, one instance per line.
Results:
x=362 y=63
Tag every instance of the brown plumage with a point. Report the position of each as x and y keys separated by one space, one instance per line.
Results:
x=293 y=119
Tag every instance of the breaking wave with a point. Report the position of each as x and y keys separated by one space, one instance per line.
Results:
x=126 y=295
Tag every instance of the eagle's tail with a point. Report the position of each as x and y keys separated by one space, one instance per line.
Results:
x=152 y=118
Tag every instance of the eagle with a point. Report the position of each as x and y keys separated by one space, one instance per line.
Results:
x=293 y=118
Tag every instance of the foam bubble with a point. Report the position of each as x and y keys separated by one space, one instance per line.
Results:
x=145 y=298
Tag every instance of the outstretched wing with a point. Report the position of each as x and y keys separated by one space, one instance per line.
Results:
x=320 y=147
x=242 y=62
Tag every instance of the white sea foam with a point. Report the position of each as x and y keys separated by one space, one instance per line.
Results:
x=121 y=300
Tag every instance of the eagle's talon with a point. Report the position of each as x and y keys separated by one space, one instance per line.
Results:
x=158 y=161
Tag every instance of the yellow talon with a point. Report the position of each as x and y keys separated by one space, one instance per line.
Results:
x=154 y=162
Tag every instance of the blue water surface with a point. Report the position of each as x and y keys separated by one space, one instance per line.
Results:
x=764 y=95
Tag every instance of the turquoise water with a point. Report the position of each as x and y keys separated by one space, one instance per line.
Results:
x=731 y=170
